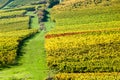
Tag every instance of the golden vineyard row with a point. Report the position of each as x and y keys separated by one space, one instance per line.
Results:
x=9 y=42
x=87 y=76
x=84 y=52
x=12 y=14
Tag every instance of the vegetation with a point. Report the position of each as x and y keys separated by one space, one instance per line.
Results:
x=18 y=3
x=82 y=28
x=85 y=40
x=91 y=52
x=13 y=29
x=84 y=44
x=3 y=2
x=15 y=18
x=9 y=43
x=32 y=63
x=19 y=23
x=12 y=14
x=87 y=76
x=20 y=47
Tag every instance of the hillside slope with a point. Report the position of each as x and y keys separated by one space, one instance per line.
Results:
x=85 y=42
x=3 y=2
x=17 y=3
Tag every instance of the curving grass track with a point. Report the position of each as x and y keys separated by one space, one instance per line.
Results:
x=32 y=63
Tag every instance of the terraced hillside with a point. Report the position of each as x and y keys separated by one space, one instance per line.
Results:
x=3 y=2
x=14 y=27
x=18 y=3
x=22 y=42
x=85 y=43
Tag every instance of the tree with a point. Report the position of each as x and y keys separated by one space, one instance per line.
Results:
x=53 y=2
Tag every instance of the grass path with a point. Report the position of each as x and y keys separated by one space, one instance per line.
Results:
x=34 y=57
x=32 y=65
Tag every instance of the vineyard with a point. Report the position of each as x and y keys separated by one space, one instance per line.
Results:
x=74 y=40
x=18 y=3
x=22 y=53
x=93 y=52
x=3 y=2
x=19 y=23
x=14 y=28
x=12 y=14
x=85 y=43
x=88 y=76
x=16 y=18
x=9 y=42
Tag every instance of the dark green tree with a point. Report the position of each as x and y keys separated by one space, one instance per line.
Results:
x=53 y=2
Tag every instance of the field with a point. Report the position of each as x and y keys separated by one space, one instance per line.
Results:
x=15 y=19
x=14 y=28
x=22 y=53
x=88 y=76
x=3 y=2
x=85 y=41
x=74 y=40
x=9 y=43
x=19 y=3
